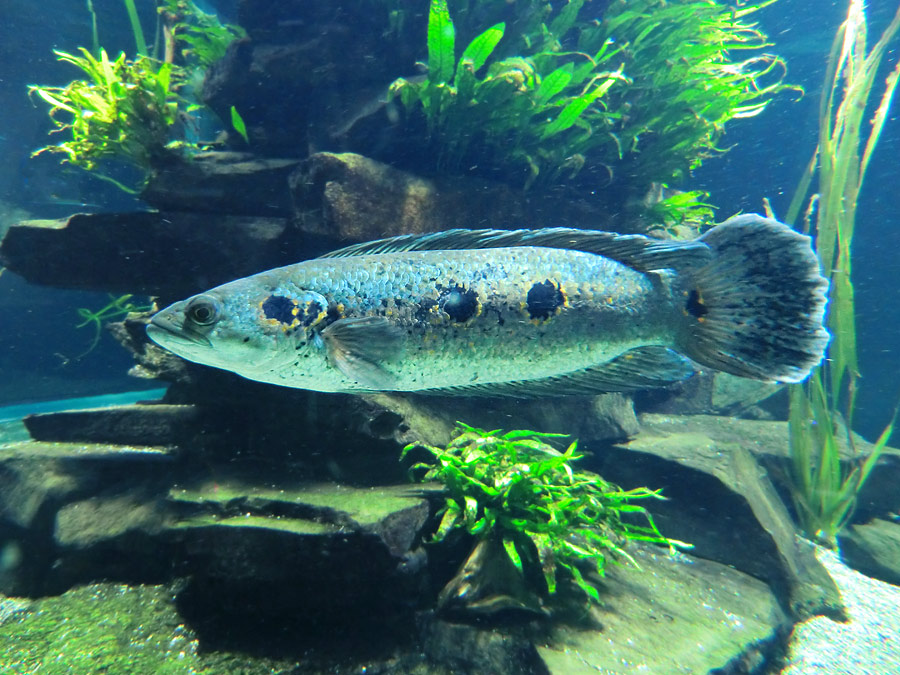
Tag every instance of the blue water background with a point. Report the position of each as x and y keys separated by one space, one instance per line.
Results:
x=40 y=347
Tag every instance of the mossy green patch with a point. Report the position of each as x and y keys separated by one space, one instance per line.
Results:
x=289 y=525
x=103 y=628
x=112 y=629
x=364 y=506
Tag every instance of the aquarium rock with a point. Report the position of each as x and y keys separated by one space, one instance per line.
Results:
x=873 y=548
x=228 y=183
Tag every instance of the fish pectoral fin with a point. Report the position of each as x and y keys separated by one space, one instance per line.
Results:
x=359 y=346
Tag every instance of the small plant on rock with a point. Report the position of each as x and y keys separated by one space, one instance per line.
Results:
x=136 y=110
x=525 y=504
x=122 y=109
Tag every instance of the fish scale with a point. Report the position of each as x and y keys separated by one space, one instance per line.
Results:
x=407 y=288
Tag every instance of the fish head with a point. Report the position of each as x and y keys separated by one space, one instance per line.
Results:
x=200 y=329
x=246 y=328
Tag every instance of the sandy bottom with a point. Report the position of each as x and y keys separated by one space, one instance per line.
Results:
x=869 y=644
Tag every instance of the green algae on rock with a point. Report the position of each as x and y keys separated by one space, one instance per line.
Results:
x=99 y=628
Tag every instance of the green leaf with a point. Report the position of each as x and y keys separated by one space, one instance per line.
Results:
x=471 y=509
x=481 y=48
x=565 y=19
x=553 y=84
x=510 y=547
x=449 y=521
x=238 y=123
x=521 y=433
x=587 y=588
x=441 y=38
x=575 y=108
x=45 y=94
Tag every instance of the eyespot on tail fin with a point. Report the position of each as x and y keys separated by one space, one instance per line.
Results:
x=757 y=308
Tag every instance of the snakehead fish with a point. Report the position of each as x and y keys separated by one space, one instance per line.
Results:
x=521 y=312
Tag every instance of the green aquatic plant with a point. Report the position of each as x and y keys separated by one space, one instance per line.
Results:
x=201 y=37
x=140 y=42
x=823 y=492
x=237 y=123
x=640 y=94
x=124 y=109
x=118 y=307
x=131 y=109
x=516 y=491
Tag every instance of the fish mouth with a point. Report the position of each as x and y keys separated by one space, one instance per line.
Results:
x=168 y=326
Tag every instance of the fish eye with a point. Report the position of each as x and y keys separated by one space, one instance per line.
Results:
x=202 y=310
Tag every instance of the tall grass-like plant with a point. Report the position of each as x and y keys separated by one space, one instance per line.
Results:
x=824 y=494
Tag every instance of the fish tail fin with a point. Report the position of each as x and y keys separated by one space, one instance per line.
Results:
x=756 y=308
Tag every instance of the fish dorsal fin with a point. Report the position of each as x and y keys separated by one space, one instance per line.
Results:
x=640 y=368
x=634 y=250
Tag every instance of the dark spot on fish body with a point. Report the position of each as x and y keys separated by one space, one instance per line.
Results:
x=334 y=312
x=544 y=299
x=695 y=306
x=279 y=308
x=459 y=303
x=313 y=312
x=292 y=313
x=426 y=310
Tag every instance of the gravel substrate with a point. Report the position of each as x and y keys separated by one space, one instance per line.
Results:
x=869 y=644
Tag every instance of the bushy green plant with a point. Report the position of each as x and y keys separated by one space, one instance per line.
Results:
x=640 y=93
x=515 y=488
x=123 y=109
x=201 y=37
x=130 y=109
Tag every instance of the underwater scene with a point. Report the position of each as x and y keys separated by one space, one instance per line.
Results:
x=449 y=337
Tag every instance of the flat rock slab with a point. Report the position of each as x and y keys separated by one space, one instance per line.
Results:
x=769 y=442
x=138 y=424
x=433 y=419
x=675 y=615
x=230 y=183
x=167 y=254
x=720 y=499
x=394 y=514
x=346 y=197
x=34 y=475
x=873 y=548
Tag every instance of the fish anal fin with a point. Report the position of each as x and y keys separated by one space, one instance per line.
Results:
x=648 y=367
